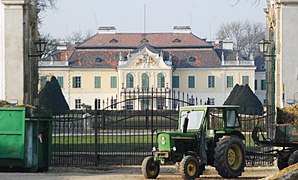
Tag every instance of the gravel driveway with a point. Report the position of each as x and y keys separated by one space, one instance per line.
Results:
x=123 y=173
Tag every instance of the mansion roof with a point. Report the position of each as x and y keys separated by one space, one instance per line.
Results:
x=184 y=50
x=133 y=40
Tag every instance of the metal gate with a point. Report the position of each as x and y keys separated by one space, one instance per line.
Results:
x=124 y=132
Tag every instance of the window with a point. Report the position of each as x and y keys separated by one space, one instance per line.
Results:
x=98 y=103
x=191 y=82
x=145 y=81
x=256 y=84
x=232 y=119
x=97 y=82
x=245 y=80
x=176 y=40
x=175 y=81
x=43 y=81
x=113 y=41
x=129 y=80
x=60 y=81
x=78 y=103
x=230 y=81
x=263 y=84
x=160 y=103
x=191 y=101
x=144 y=104
x=113 y=82
x=211 y=101
x=76 y=82
x=191 y=59
x=160 y=80
x=113 y=103
x=129 y=104
x=195 y=119
x=98 y=60
x=211 y=81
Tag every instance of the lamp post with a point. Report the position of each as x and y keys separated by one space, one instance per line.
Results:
x=267 y=48
x=264 y=47
x=32 y=74
x=40 y=46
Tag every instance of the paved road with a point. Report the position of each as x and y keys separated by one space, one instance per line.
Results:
x=123 y=173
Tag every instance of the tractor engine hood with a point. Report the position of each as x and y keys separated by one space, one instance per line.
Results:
x=175 y=141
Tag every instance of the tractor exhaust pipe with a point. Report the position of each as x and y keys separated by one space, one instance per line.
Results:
x=185 y=124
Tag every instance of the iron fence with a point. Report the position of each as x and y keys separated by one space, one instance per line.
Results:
x=124 y=131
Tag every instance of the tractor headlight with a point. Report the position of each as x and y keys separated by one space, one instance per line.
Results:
x=163 y=140
x=174 y=148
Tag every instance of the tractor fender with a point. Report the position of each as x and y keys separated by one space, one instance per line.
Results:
x=233 y=133
x=237 y=133
x=193 y=153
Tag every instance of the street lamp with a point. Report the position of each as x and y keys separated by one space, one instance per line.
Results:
x=267 y=48
x=264 y=46
x=40 y=46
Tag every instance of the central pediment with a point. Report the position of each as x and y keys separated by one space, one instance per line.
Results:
x=145 y=57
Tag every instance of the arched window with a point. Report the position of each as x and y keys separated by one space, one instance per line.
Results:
x=160 y=80
x=145 y=81
x=129 y=80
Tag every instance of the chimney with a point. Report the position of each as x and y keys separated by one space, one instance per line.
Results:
x=228 y=44
x=181 y=29
x=106 y=30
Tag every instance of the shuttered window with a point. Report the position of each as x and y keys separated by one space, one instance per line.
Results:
x=60 y=81
x=76 y=82
x=145 y=81
x=176 y=82
x=211 y=81
x=113 y=81
x=160 y=80
x=230 y=81
x=191 y=82
x=97 y=82
x=245 y=80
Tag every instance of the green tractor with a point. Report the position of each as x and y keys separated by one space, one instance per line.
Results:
x=206 y=135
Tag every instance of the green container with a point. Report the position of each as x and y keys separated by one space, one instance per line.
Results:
x=25 y=138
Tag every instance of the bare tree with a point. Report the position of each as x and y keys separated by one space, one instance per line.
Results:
x=79 y=37
x=253 y=2
x=51 y=51
x=245 y=36
x=42 y=5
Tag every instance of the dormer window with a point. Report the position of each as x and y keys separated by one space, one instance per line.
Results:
x=191 y=59
x=176 y=40
x=114 y=41
x=98 y=60
x=144 y=40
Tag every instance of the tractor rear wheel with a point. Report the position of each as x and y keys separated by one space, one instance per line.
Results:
x=189 y=167
x=229 y=157
x=150 y=168
x=293 y=159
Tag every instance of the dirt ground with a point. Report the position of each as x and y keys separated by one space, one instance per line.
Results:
x=125 y=173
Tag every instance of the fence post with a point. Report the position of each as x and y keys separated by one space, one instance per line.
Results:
x=95 y=132
x=147 y=118
x=152 y=130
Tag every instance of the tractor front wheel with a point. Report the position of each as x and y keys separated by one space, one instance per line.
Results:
x=150 y=168
x=189 y=167
x=229 y=157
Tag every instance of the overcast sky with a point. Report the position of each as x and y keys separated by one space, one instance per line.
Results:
x=204 y=16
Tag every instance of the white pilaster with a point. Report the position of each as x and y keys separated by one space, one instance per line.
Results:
x=2 y=64
x=13 y=49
